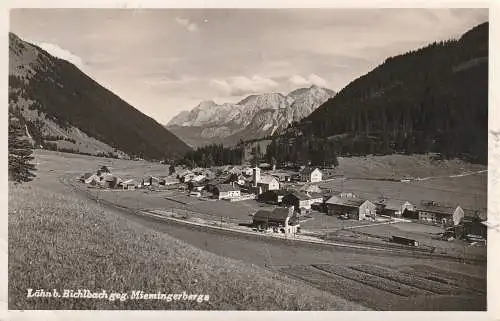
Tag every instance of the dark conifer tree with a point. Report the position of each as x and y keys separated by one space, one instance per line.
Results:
x=20 y=152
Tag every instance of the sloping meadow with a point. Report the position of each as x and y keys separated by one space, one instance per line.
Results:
x=63 y=242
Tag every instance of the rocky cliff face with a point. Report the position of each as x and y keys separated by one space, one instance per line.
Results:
x=254 y=117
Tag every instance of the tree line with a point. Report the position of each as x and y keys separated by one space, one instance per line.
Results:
x=214 y=155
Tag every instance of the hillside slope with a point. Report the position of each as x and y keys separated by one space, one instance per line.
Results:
x=65 y=109
x=434 y=99
x=58 y=239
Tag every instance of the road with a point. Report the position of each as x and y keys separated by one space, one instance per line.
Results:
x=265 y=251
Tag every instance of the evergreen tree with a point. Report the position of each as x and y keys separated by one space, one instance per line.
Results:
x=20 y=152
x=171 y=169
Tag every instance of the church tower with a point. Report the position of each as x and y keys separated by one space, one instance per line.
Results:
x=256 y=176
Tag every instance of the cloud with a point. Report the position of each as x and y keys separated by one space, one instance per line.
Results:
x=190 y=26
x=61 y=53
x=312 y=79
x=240 y=85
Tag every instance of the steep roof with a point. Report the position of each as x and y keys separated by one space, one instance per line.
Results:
x=227 y=188
x=87 y=175
x=309 y=170
x=350 y=202
x=279 y=214
x=111 y=178
x=393 y=204
x=436 y=208
x=267 y=179
x=299 y=195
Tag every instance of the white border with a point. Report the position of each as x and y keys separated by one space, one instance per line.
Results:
x=493 y=312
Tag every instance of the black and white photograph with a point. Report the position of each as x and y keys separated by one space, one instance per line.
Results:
x=256 y=159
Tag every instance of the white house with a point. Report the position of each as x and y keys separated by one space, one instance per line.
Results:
x=198 y=178
x=227 y=191
x=268 y=183
x=312 y=175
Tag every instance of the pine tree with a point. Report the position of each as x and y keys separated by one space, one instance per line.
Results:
x=20 y=153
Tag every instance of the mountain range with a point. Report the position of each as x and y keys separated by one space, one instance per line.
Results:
x=253 y=117
x=64 y=109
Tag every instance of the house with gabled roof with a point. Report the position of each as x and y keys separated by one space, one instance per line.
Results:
x=129 y=184
x=93 y=178
x=227 y=191
x=301 y=200
x=281 y=219
x=433 y=212
x=395 y=208
x=311 y=174
x=352 y=207
x=268 y=183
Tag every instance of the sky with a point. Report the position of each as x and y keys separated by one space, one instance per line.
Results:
x=164 y=61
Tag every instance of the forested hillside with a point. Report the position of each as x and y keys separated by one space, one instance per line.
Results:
x=60 y=104
x=434 y=99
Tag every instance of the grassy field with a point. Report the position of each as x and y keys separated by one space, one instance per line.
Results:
x=388 y=288
x=59 y=241
x=399 y=166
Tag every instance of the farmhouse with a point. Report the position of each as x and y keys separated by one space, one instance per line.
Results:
x=248 y=171
x=395 y=208
x=353 y=207
x=208 y=174
x=226 y=191
x=183 y=172
x=198 y=178
x=268 y=183
x=110 y=181
x=195 y=186
x=103 y=170
x=84 y=177
x=241 y=180
x=281 y=219
x=93 y=178
x=301 y=200
x=311 y=189
x=430 y=211
x=188 y=177
x=273 y=197
x=282 y=177
x=151 y=181
x=129 y=184
x=266 y=166
x=197 y=170
x=169 y=180
x=309 y=174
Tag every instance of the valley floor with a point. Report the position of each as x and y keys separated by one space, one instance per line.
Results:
x=58 y=238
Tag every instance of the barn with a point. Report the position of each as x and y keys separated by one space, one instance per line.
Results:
x=352 y=207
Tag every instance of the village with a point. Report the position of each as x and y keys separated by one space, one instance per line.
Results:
x=294 y=201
